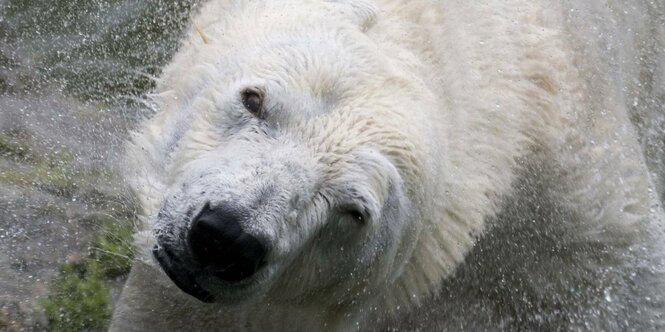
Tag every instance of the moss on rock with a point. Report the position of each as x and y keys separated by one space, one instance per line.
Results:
x=79 y=298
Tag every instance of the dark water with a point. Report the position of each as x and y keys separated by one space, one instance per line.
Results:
x=92 y=50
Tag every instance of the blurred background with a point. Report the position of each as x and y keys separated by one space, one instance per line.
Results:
x=73 y=79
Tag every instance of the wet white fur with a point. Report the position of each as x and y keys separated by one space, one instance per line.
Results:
x=433 y=108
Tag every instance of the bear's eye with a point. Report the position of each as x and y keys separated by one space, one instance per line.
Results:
x=357 y=216
x=252 y=99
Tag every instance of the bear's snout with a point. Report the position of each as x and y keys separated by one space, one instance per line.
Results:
x=222 y=247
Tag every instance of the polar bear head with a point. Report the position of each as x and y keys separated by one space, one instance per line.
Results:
x=287 y=158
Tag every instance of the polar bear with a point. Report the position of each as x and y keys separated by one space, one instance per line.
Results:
x=415 y=165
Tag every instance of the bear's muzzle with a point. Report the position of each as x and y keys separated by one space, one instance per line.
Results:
x=183 y=278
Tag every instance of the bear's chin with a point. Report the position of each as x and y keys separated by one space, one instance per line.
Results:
x=205 y=287
x=183 y=278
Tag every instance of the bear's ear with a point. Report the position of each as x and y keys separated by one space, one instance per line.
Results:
x=362 y=13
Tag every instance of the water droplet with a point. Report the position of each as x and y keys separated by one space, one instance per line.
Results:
x=608 y=296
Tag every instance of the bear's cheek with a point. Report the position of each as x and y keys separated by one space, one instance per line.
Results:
x=354 y=255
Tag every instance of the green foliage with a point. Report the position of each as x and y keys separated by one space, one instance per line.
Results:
x=10 y=149
x=112 y=248
x=79 y=299
x=55 y=173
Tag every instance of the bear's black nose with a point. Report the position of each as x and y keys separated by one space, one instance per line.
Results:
x=221 y=245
